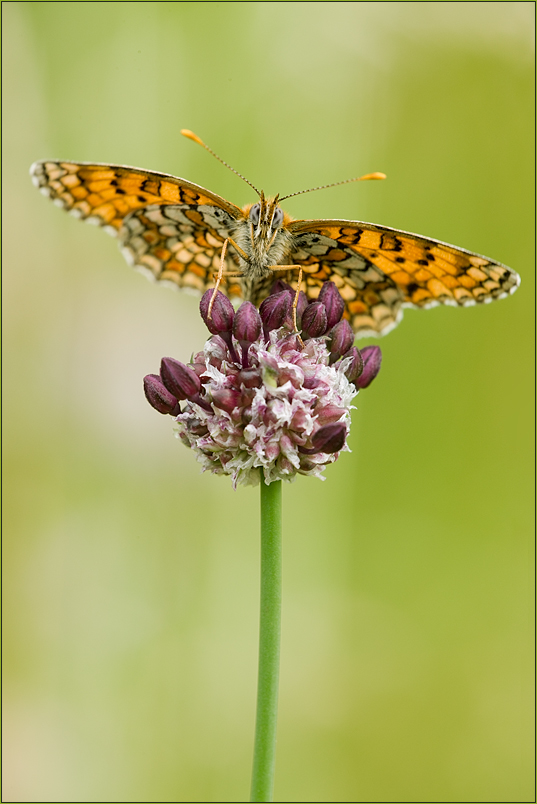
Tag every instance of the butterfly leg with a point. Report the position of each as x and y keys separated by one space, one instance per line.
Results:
x=298 y=288
x=221 y=271
x=239 y=250
x=218 y=278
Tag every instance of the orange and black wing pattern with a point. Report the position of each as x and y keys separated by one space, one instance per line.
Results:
x=169 y=228
x=181 y=245
x=105 y=194
x=379 y=271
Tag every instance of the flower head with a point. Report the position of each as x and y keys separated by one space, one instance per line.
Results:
x=257 y=395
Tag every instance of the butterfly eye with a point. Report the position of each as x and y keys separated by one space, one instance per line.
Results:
x=277 y=218
x=254 y=213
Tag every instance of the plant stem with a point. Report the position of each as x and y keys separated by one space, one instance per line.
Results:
x=269 y=641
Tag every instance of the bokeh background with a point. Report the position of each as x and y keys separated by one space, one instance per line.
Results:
x=130 y=580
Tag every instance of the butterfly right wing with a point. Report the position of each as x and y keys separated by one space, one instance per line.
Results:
x=380 y=270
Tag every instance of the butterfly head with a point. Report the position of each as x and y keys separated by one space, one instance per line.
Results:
x=265 y=217
x=263 y=235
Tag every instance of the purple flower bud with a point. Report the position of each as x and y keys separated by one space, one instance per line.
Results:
x=199 y=368
x=222 y=313
x=302 y=304
x=326 y=414
x=356 y=366
x=335 y=306
x=329 y=438
x=226 y=399
x=311 y=382
x=274 y=309
x=314 y=320
x=372 y=358
x=280 y=285
x=247 y=324
x=159 y=397
x=250 y=378
x=341 y=339
x=179 y=379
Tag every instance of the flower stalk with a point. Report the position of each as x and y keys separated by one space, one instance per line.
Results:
x=263 y=404
x=269 y=641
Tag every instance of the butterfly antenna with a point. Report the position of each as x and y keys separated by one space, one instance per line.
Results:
x=191 y=136
x=336 y=183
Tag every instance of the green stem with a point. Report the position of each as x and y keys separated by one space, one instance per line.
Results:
x=269 y=641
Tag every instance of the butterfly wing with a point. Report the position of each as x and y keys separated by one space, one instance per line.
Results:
x=379 y=271
x=170 y=228
x=105 y=194
x=181 y=245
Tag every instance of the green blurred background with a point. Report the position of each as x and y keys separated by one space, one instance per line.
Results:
x=130 y=580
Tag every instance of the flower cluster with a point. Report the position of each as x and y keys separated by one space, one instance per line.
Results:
x=260 y=394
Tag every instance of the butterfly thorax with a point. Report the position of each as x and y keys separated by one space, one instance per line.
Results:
x=263 y=236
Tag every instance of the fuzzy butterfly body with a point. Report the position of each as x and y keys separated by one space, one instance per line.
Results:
x=174 y=231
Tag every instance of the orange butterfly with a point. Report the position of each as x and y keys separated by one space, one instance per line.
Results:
x=179 y=233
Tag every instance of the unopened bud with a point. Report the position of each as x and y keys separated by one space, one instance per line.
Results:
x=372 y=358
x=341 y=339
x=179 y=379
x=226 y=398
x=311 y=382
x=280 y=285
x=314 y=320
x=329 y=439
x=274 y=309
x=302 y=304
x=356 y=365
x=250 y=378
x=199 y=368
x=335 y=306
x=159 y=397
x=247 y=324
x=328 y=414
x=222 y=312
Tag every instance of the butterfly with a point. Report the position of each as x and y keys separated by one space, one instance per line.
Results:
x=181 y=234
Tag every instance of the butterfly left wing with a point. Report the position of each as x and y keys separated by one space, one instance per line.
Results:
x=379 y=271
x=181 y=245
x=169 y=228
x=105 y=194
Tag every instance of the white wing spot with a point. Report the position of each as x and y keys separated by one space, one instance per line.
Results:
x=129 y=256
x=143 y=270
